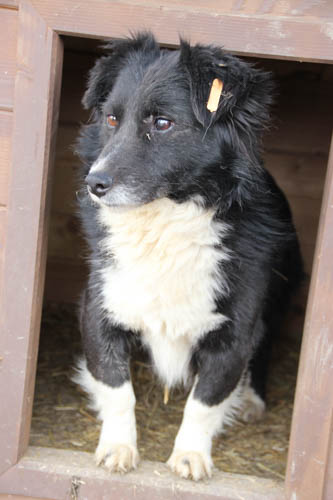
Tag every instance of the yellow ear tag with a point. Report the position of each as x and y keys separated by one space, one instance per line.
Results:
x=214 y=95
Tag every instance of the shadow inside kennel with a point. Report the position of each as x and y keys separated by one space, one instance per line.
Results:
x=296 y=150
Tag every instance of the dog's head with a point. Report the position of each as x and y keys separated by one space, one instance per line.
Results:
x=152 y=135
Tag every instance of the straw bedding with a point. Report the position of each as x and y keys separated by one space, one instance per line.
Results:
x=61 y=418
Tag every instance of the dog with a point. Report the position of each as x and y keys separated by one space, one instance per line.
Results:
x=192 y=247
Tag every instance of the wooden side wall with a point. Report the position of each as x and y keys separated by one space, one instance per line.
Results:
x=8 y=40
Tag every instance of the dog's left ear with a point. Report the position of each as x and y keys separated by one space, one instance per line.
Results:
x=246 y=94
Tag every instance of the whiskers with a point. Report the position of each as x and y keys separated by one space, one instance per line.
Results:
x=83 y=197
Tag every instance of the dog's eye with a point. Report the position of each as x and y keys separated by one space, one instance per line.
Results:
x=112 y=121
x=162 y=124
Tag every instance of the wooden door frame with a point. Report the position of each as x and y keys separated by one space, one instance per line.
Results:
x=57 y=473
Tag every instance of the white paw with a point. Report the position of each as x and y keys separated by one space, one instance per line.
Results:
x=117 y=457
x=191 y=464
x=253 y=407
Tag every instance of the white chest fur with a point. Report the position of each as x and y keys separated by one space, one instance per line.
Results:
x=164 y=277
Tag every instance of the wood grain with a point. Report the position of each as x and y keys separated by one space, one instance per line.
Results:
x=310 y=442
x=266 y=33
x=8 y=41
x=37 y=92
x=270 y=29
x=19 y=497
x=6 y=130
x=3 y=226
x=50 y=473
x=9 y=4
x=304 y=9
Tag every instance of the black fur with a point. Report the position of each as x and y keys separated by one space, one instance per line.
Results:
x=214 y=157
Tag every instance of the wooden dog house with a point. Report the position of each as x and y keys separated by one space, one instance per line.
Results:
x=32 y=39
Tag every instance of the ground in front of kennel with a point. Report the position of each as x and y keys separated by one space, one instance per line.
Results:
x=31 y=67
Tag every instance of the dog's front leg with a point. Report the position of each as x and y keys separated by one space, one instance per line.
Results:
x=213 y=402
x=105 y=375
x=117 y=446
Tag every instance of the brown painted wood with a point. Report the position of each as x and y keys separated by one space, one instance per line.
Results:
x=3 y=217
x=3 y=227
x=9 y=4
x=288 y=33
x=6 y=130
x=304 y=35
x=19 y=497
x=37 y=90
x=8 y=39
x=311 y=435
x=328 y=488
x=299 y=8
x=52 y=473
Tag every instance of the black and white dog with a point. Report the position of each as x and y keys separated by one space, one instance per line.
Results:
x=192 y=246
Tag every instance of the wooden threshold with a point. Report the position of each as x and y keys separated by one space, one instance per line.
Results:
x=59 y=474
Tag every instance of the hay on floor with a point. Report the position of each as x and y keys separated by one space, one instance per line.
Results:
x=61 y=418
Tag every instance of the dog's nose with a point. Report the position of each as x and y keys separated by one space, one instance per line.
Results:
x=99 y=184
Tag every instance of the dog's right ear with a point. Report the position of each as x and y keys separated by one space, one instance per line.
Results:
x=102 y=76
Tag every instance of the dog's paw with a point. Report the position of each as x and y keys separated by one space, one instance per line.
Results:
x=117 y=457
x=253 y=407
x=191 y=464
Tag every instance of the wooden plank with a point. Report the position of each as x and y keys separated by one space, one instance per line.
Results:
x=265 y=33
x=3 y=216
x=277 y=8
x=3 y=226
x=6 y=129
x=8 y=40
x=306 y=217
x=310 y=441
x=328 y=488
x=37 y=92
x=19 y=497
x=53 y=473
x=9 y=4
